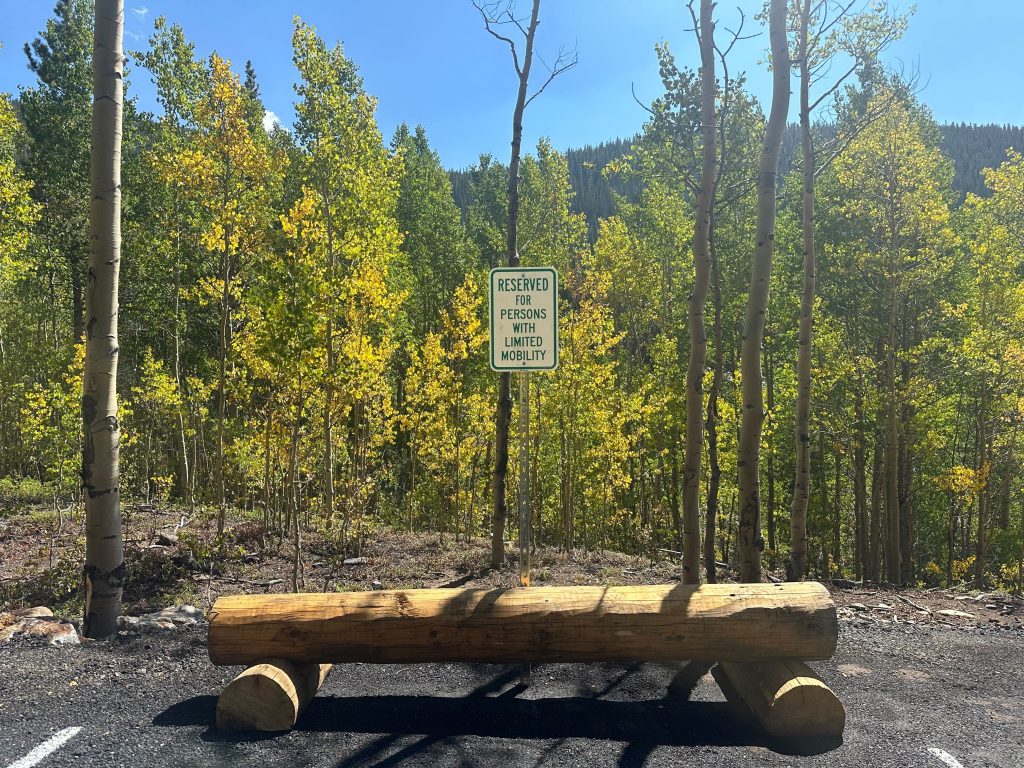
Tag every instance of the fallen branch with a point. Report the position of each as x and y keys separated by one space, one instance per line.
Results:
x=912 y=604
x=233 y=580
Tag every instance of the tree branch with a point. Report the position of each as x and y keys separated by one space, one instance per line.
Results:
x=566 y=60
x=492 y=19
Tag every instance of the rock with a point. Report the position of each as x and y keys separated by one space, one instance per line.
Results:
x=165 y=540
x=171 y=617
x=39 y=612
x=376 y=585
x=55 y=631
x=182 y=614
x=959 y=614
x=63 y=634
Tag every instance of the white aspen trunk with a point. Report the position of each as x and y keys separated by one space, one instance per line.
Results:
x=184 y=483
x=797 y=566
x=104 y=548
x=750 y=541
x=697 y=302
x=329 y=373
x=225 y=323
x=892 y=501
x=715 y=469
x=984 y=494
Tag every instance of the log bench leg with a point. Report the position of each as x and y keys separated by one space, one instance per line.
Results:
x=269 y=696
x=790 y=702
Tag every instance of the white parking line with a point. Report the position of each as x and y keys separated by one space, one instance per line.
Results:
x=945 y=757
x=47 y=748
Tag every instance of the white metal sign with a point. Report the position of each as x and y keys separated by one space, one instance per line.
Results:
x=524 y=319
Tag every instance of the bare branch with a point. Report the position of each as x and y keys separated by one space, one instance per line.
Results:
x=491 y=19
x=840 y=143
x=696 y=24
x=858 y=62
x=632 y=88
x=736 y=36
x=566 y=60
x=518 y=22
x=726 y=96
x=826 y=25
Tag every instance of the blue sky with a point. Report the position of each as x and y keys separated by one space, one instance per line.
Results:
x=430 y=62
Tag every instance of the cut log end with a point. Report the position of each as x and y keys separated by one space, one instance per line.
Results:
x=789 y=701
x=269 y=696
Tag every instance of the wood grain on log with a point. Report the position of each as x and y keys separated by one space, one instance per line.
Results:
x=715 y=622
x=269 y=696
x=787 y=698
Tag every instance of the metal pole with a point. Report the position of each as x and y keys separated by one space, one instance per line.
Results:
x=524 y=496
x=524 y=479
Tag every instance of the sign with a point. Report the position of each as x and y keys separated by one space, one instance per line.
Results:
x=524 y=319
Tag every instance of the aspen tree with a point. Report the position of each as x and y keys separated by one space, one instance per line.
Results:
x=104 y=548
x=751 y=543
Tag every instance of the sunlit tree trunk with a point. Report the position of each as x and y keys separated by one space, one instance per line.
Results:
x=293 y=494
x=769 y=371
x=892 y=500
x=697 y=301
x=859 y=488
x=797 y=567
x=184 y=483
x=751 y=543
x=837 y=518
x=225 y=336
x=985 y=482
x=329 y=372
x=871 y=571
x=715 y=468
x=1006 y=491
x=104 y=548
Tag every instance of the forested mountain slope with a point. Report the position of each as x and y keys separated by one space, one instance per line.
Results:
x=970 y=147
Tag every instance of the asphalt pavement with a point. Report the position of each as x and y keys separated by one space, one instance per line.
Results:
x=920 y=696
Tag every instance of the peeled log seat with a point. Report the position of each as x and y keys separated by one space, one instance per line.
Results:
x=713 y=622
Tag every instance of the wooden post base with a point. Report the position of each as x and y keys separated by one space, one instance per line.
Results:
x=269 y=696
x=790 y=702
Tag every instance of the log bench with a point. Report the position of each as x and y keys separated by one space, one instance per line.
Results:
x=760 y=635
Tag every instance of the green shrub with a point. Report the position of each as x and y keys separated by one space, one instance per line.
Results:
x=23 y=490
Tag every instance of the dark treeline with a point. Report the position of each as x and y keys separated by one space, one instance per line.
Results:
x=972 y=148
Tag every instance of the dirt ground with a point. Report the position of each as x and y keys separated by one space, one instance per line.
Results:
x=173 y=558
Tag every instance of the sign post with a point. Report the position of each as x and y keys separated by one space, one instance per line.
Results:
x=524 y=338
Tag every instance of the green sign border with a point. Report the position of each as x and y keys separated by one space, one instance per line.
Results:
x=490 y=308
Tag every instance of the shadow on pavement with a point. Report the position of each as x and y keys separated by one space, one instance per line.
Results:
x=492 y=712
